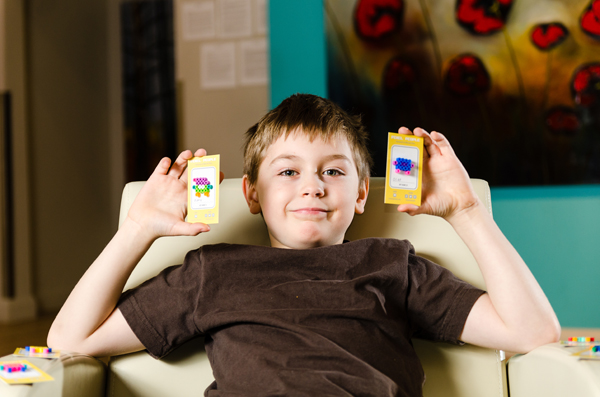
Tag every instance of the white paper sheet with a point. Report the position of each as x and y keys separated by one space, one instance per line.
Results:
x=260 y=16
x=198 y=20
x=217 y=65
x=253 y=62
x=235 y=18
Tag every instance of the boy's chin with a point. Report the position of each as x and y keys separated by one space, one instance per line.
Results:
x=305 y=242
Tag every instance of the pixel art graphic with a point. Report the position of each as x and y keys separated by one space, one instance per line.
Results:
x=404 y=165
x=202 y=187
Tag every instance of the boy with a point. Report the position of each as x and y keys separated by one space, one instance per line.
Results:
x=311 y=314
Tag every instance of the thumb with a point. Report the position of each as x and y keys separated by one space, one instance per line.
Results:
x=189 y=229
x=410 y=209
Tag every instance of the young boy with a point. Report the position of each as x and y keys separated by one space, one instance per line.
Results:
x=311 y=314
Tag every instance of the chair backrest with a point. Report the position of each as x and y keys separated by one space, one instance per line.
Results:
x=450 y=370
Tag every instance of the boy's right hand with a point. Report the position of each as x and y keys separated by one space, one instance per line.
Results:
x=161 y=206
x=89 y=321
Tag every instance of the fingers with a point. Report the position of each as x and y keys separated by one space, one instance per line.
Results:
x=404 y=130
x=200 y=153
x=430 y=145
x=180 y=164
x=178 y=168
x=435 y=143
x=441 y=141
x=163 y=166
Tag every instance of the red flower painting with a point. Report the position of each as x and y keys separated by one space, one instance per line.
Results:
x=590 y=19
x=467 y=75
x=482 y=17
x=562 y=120
x=377 y=19
x=585 y=86
x=547 y=36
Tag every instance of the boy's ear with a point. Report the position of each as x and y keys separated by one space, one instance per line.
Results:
x=361 y=200
x=251 y=196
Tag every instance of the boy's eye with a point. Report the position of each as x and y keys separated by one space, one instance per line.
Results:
x=288 y=173
x=332 y=172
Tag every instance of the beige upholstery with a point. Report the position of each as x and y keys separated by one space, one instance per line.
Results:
x=451 y=370
x=552 y=371
x=82 y=376
x=74 y=375
x=466 y=371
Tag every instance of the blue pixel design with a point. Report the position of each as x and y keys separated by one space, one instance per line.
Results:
x=404 y=165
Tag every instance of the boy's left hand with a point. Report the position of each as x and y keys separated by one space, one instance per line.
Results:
x=514 y=315
x=447 y=189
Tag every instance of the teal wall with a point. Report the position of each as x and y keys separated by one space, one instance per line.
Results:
x=555 y=229
x=297 y=48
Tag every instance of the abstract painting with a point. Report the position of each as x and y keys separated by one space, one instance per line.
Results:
x=513 y=84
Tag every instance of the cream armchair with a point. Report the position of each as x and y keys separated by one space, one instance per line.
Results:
x=451 y=371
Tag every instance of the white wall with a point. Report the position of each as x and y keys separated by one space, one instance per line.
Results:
x=217 y=118
x=69 y=142
x=76 y=147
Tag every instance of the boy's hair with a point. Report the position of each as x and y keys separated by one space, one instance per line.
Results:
x=318 y=118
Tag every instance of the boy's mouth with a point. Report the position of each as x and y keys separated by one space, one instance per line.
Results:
x=310 y=211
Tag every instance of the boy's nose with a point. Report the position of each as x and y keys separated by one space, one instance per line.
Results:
x=318 y=192
x=313 y=187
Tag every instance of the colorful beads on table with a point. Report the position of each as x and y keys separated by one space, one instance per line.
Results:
x=38 y=349
x=403 y=165
x=596 y=349
x=581 y=339
x=202 y=187
x=10 y=368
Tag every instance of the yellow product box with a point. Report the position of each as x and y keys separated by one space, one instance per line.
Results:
x=203 y=189
x=404 y=169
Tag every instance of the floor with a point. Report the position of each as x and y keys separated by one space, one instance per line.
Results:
x=592 y=332
x=33 y=333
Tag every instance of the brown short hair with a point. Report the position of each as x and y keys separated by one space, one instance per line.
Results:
x=318 y=118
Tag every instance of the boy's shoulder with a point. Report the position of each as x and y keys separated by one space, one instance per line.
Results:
x=233 y=263
x=368 y=247
x=364 y=243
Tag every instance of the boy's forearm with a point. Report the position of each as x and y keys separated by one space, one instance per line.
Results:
x=95 y=296
x=515 y=294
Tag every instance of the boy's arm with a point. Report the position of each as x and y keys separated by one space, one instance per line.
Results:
x=88 y=321
x=515 y=314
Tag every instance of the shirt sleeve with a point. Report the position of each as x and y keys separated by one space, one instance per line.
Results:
x=161 y=311
x=438 y=302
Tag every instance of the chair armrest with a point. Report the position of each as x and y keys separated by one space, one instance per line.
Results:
x=465 y=371
x=184 y=372
x=550 y=371
x=83 y=376
x=74 y=375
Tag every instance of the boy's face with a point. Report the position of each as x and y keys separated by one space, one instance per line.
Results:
x=307 y=191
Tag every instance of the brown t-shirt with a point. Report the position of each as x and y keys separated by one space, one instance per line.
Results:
x=334 y=320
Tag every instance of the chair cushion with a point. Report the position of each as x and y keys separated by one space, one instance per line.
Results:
x=465 y=371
